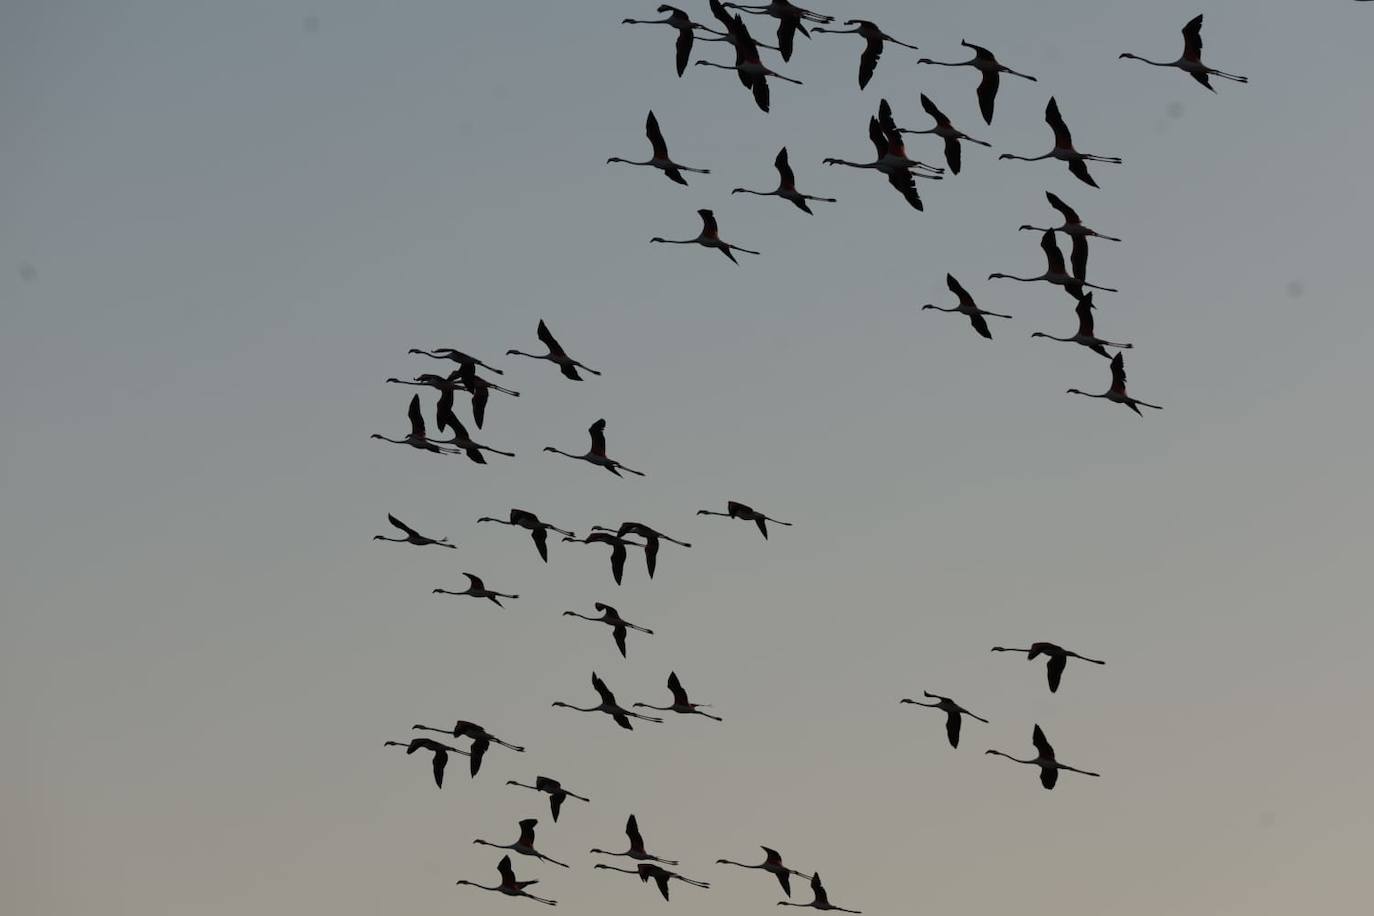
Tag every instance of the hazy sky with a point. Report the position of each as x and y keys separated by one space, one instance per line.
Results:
x=223 y=224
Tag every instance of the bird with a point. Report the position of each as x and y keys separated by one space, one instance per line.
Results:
x=967 y=307
x=1045 y=760
x=945 y=129
x=1057 y=656
x=685 y=32
x=637 y=849
x=790 y=20
x=525 y=844
x=412 y=536
x=611 y=617
x=1063 y=148
x=464 y=378
x=739 y=510
x=1085 y=336
x=709 y=238
x=1055 y=271
x=440 y=751
x=462 y=441
x=509 y=886
x=1073 y=227
x=875 y=37
x=954 y=714
x=596 y=455
x=787 y=186
x=821 y=900
x=416 y=438
x=771 y=864
x=610 y=707
x=991 y=69
x=753 y=73
x=1117 y=393
x=477 y=589
x=482 y=740
x=556 y=355
x=651 y=540
x=457 y=356
x=659 y=875
x=892 y=159
x=1191 y=61
x=539 y=530
x=617 y=545
x=681 y=704
x=557 y=794
x=660 y=160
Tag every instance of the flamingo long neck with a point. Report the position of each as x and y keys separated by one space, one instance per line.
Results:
x=1153 y=63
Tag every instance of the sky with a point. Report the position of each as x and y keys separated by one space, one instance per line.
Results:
x=222 y=226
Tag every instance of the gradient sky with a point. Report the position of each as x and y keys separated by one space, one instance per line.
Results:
x=222 y=226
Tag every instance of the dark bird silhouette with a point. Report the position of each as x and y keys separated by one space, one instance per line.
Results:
x=539 y=530
x=791 y=19
x=647 y=871
x=477 y=589
x=990 y=67
x=464 y=378
x=597 y=454
x=412 y=536
x=787 y=186
x=945 y=129
x=617 y=545
x=892 y=160
x=556 y=355
x=821 y=900
x=661 y=159
x=637 y=849
x=873 y=49
x=746 y=513
x=651 y=540
x=525 y=844
x=482 y=740
x=709 y=238
x=1191 y=61
x=685 y=32
x=1055 y=271
x=954 y=714
x=1057 y=656
x=554 y=789
x=461 y=440
x=610 y=707
x=1117 y=393
x=680 y=702
x=1073 y=226
x=509 y=886
x=1085 y=336
x=611 y=617
x=772 y=863
x=753 y=73
x=457 y=356
x=967 y=307
x=1045 y=760
x=1063 y=148
x=440 y=751
x=416 y=437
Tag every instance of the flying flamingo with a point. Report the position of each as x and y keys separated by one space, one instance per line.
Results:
x=709 y=238
x=462 y=441
x=416 y=437
x=525 y=844
x=477 y=589
x=597 y=454
x=636 y=850
x=412 y=536
x=440 y=751
x=1117 y=393
x=787 y=186
x=954 y=714
x=1191 y=61
x=651 y=540
x=611 y=617
x=482 y=740
x=1063 y=148
x=617 y=545
x=610 y=707
x=457 y=356
x=1058 y=657
x=461 y=379
x=660 y=875
x=985 y=63
x=892 y=159
x=660 y=160
x=1045 y=760
x=684 y=26
x=1074 y=228
x=539 y=530
x=790 y=20
x=772 y=863
x=557 y=794
x=556 y=355
x=680 y=702
x=752 y=72
x=740 y=511
x=1085 y=336
x=1055 y=271
x=945 y=129
x=874 y=36
x=967 y=307
x=821 y=899
x=509 y=886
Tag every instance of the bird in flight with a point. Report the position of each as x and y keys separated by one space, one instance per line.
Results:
x=618 y=551
x=1055 y=271
x=990 y=67
x=610 y=707
x=1045 y=760
x=709 y=238
x=556 y=354
x=539 y=530
x=461 y=441
x=680 y=702
x=509 y=886
x=944 y=128
x=1073 y=227
x=1191 y=61
x=954 y=714
x=772 y=864
x=637 y=849
x=477 y=589
x=647 y=871
x=457 y=356
x=740 y=511
x=482 y=740
x=1117 y=393
x=554 y=789
x=873 y=48
x=651 y=540
x=791 y=19
x=821 y=900
x=1085 y=335
x=966 y=306
x=412 y=536
x=685 y=27
x=597 y=454
x=1057 y=657
x=1064 y=149
x=892 y=160
x=753 y=73
x=787 y=186
x=416 y=438
x=660 y=160
x=525 y=844
x=611 y=617
x=440 y=751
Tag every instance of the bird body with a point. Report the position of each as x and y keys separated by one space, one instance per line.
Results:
x=740 y=511
x=525 y=844
x=753 y=73
x=1064 y=149
x=681 y=704
x=411 y=536
x=954 y=714
x=1191 y=61
x=791 y=19
x=991 y=69
x=539 y=530
x=1056 y=271
x=1085 y=336
x=610 y=707
x=482 y=740
x=651 y=540
x=440 y=751
x=944 y=129
x=772 y=864
x=661 y=160
x=1057 y=656
x=618 y=547
x=966 y=306
x=611 y=617
x=648 y=871
x=477 y=589
x=709 y=237
x=637 y=849
x=684 y=26
x=874 y=38
x=556 y=354
x=821 y=900
x=1045 y=760
x=1117 y=393
x=787 y=186
x=509 y=886
x=554 y=789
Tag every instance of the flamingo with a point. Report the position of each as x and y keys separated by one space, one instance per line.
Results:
x=772 y=863
x=954 y=714
x=619 y=625
x=1074 y=228
x=1117 y=393
x=790 y=20
x=457 y=356
x=416 y=438
x=660 y=160
x=1058 y=657
x=525 y=844
x=464 y=378
x=787 y=186
x=967 y=307
x=945 y=129
x=476 y=589
x=412 y=536
x=636 y=850
x=1063 y=148
x=539 y=530
x=617 y=545
x=1055 y=271
x=1045 y=760
x=482 y=740
x=990 y=67
x=556 y=355
x=892 y=159
x=509 y=886
x=752 y=72
x=610 y=707
x=557 y=794
x=596 y=455
x=1085 y=336
x=821 y=899
x=679 y=21
x=740 y=511
x=461 y=441
x=651 y=540
x=1191 y=61
x=648 y=871
x=875 y=37
x=681 y=704
x=709 y=238
x=440 y=751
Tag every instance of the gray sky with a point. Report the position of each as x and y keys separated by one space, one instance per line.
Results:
x=222 y=230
